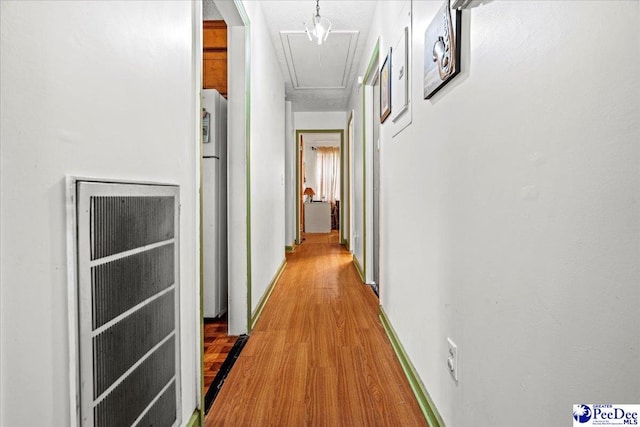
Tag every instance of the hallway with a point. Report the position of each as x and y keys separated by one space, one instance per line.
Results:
x=318 y=355
x=507 y=201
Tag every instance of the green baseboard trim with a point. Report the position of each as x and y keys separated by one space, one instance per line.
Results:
x=289 y=248
x=195 y=420
x=358 y=268
x=429 y=410
x=258 y=311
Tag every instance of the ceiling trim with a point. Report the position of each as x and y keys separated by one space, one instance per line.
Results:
x=287 y=36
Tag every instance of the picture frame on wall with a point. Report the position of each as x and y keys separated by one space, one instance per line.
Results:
x=402 y=79
x=441 y=49
x=385 y=88
x=400 y=76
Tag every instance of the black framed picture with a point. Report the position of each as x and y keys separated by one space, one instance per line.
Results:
x=441 y=49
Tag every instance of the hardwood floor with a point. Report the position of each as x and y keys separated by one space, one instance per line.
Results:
x=318 y=355
x=217 y=345
x=312 y=238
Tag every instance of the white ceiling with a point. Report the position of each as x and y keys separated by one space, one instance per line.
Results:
x=318 y=78
x=319 y=67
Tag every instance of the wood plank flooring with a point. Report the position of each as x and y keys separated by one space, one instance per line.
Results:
x=318 y=356
x=217 y=345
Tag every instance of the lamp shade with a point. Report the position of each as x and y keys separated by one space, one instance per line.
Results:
x=309 y=192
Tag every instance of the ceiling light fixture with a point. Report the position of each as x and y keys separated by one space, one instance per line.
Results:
x=321 y=27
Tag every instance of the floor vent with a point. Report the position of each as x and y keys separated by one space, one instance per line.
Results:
x=128 y=304
x=222 y=374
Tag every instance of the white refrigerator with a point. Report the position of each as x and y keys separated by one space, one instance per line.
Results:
x=214 y=207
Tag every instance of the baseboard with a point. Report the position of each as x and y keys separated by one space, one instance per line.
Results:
x=258 y=311
x=358 y=268
x=429 y=410
x=289 y=248
x=195 y=420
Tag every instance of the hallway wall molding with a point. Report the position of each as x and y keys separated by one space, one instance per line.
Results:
x=258 y=311
x=196 y=419
x=422 y=395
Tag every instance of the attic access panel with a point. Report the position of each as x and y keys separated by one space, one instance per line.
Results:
x=319 y=67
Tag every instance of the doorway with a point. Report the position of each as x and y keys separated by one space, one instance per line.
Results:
x=319 y=177
x=219 y=338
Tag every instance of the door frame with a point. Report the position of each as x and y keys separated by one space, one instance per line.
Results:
x=372 y=72
x=348 y=185
x=298 y=190
x=238 y=175
x=239 y=166
x=376 y=130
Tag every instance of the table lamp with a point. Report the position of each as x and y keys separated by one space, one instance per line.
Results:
x=309 y=193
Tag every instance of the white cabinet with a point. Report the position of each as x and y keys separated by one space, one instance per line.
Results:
x=317 y=217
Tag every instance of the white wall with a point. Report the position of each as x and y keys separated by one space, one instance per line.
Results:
x=97 y=89
x=320 y=120
x=523 y=243
x=357 y=242
x=237 y=168
x=267 y=157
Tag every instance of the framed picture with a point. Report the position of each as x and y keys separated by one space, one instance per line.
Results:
x=400 y=76
x=385 y=88
x=441 y=49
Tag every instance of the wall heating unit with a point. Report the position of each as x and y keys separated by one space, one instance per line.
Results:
x=127 y=304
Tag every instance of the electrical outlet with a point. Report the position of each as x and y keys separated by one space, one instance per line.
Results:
x=452 y=358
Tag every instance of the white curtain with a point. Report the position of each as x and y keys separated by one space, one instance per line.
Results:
x=328 y=173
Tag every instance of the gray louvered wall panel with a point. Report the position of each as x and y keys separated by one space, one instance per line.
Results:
x=163 y=411
x=130 y=398
x=125 y=222
x=128 y=299
x=121 y=284
x=119 y=347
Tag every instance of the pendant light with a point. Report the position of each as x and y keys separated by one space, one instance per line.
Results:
x=321 y=27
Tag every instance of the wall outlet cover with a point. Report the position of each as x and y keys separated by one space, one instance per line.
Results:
x=452 y=358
